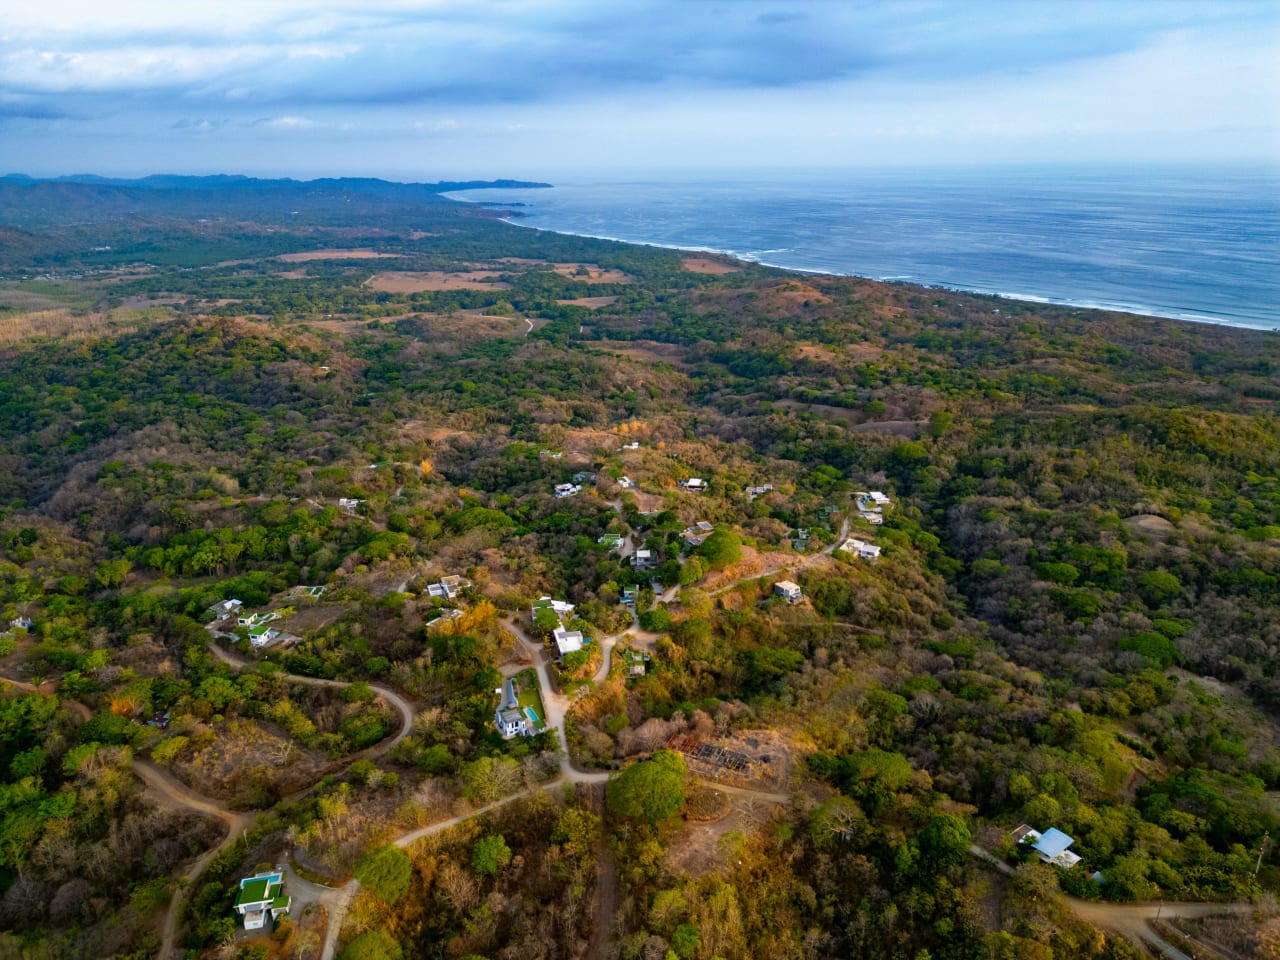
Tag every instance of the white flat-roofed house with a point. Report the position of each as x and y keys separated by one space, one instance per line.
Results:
x=561 y=608
x=448 y=587
x=567 y=641
x=643 y=559
x=789 y=591
x=696 y=484
x=563 y=490
x=263 y=637
x=860 y=549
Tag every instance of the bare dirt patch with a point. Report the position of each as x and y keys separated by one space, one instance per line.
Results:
x=593 y=302
x=706 y=265
x=400 y=282
x=758 y=759
x=335 y=254
x=647 y=502
x=699 y=850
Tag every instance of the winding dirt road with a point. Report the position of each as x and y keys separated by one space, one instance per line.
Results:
x=1130 y=920
x=171 y=792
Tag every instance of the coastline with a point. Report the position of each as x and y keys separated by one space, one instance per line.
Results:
x=1136 y=310
x=1199 y=317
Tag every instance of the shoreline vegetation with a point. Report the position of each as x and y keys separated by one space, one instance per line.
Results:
x=829 y=588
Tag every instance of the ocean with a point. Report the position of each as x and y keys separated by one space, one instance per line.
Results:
x=1200 y=245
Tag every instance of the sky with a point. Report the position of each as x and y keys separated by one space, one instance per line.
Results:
x=539 y=89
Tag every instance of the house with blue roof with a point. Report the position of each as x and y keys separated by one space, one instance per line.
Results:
x=1051 y=847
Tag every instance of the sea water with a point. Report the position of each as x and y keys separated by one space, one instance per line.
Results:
x=1198 y=245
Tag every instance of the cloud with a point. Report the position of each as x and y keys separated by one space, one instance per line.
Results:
x=651 y=80
x=286 y=123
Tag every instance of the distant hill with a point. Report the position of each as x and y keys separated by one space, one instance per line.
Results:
x=87 y=199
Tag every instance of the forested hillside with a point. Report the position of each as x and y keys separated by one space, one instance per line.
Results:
x=1072 y=619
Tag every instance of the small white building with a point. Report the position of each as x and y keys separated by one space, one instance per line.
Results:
x=642 y=560
x=348 y=504
x=563 y=490
x=633 y=445
x=567 y=641
x=760 y=490
x=789 y=591
x=626 y=483
x=696 y=484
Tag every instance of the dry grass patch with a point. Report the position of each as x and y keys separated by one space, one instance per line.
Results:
x=908 y=429
x=1150 y=524
x=332 y=254
x=246 y=766
x=716 y=268
x=405 y=282
x=64 y=323
x=646 y=351
x=593 y=303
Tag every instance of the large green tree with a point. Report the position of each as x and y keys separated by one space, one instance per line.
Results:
x=650 y=790
x=386 y=871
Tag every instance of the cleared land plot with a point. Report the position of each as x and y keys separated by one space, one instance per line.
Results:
x=706 y=265
x=398 y=282
x=646 y=351
x=586 y=272
x=761 y=759
x=336 y=254
x=592 y=302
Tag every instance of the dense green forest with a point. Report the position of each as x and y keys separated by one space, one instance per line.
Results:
x=1073 y=621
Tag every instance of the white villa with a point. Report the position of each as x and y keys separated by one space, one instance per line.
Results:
x=860 y=549
x=263 y=637
x=448 y=587
x=259 y=895
x=696 y=484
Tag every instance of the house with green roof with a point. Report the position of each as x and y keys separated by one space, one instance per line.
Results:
x=260 y=894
